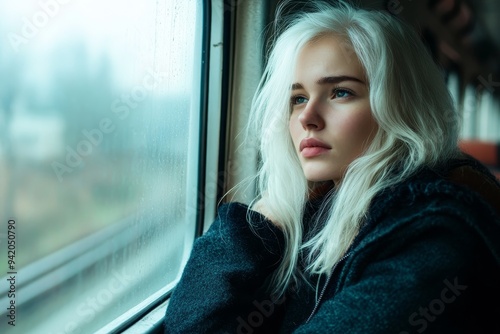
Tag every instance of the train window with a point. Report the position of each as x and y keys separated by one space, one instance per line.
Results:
x=99 y=150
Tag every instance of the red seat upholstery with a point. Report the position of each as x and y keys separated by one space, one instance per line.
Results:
x=486 y=152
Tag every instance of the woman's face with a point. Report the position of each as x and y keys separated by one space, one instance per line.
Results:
x=331 y=123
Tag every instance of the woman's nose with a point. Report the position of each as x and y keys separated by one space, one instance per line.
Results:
x=311 y=116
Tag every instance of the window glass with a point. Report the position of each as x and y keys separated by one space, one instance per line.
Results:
x=99 y=107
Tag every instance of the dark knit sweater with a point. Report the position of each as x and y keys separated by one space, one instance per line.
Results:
x=427 y=260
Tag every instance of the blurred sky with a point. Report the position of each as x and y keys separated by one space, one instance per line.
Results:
x=134 y=34
x=108 y=46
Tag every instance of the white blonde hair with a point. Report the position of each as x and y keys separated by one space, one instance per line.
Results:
x=417 y=126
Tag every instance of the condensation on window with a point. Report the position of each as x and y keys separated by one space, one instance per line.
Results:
x=98 y=115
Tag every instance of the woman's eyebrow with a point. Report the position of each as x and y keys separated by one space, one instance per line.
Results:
x=329 y=80
x=337 y=79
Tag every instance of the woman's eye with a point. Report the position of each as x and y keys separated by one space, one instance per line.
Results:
x=298 y=100
x=341 y=93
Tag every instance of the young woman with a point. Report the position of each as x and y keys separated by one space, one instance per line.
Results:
x=368 y=219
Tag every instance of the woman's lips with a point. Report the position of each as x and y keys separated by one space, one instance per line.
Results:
x=310 y=152
x=311 y=147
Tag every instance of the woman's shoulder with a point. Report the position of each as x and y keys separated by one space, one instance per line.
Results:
x=463 y=183
x=461 y=197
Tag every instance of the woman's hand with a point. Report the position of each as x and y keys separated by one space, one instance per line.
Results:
x=261 y=207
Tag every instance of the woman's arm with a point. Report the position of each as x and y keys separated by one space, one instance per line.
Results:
x=222 y=283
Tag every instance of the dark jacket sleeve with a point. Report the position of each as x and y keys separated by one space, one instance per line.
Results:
x=223 y=279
